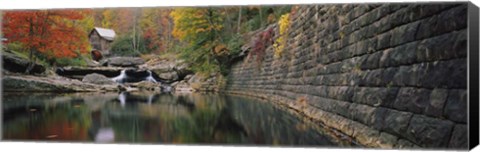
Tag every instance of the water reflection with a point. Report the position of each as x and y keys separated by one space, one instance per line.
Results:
x=153 y=118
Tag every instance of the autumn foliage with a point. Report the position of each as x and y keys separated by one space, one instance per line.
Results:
x=53 y=33
x=262 y=41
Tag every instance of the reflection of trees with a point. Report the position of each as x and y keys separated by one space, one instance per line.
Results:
x=192 y=118
x=153 y=118
x=67 y=121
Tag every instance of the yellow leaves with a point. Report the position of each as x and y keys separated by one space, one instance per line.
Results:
x=107 y=18
x=284 y=23
x=279 y=44
x=220 y=50
x=192 y=21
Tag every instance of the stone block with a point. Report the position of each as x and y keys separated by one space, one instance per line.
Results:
x=452 y=19
x=456 y=106
x=395 y=122
x=429 y=132
x=375 y=96
x=361 y=113
x=438 y=97
x=372 y=61
x=404 y=144
x=412 y=99
x=404 y=33
x=378 y=118
x=459 y=139
x=386 y=140
x=384 y=41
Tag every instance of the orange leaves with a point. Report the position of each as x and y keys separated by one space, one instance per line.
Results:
x=50 y=32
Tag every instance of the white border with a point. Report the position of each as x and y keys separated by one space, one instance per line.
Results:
x=83 y=147
x=42 y=4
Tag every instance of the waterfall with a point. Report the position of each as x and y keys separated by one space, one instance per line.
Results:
x=120 y=78
x=150 y=77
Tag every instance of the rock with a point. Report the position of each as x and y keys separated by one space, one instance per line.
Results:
x=386 y=140
x=438 y=98
x=97 y=79
x=14 y=63
x=429 y=132
x=170 y=76
x=175 y=83
x=188 y=77
x=146 y=85
x=125 y=61
x=459 y=137
x=182 y=70
x=27 y=83
x=182 y=86
x=160 y=68
x=456 y=107
x=396 y=121
x=21 y=84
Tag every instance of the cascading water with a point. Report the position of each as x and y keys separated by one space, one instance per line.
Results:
x=150 y=77
x=121 y=78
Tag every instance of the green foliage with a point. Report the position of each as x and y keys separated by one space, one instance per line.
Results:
x=199 y=29
x=79 y=61
x=123 y=46
x=16 y=46
x=235 y=43
x=211 y=38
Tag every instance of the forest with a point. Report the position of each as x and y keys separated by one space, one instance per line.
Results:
x=207 y=37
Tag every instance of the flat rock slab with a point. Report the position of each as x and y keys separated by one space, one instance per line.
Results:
x=27 y=83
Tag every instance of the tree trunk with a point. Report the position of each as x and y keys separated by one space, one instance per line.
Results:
x=239 y=20
x=31 y=48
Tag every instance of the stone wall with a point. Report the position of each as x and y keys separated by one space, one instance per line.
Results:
x=387 y=75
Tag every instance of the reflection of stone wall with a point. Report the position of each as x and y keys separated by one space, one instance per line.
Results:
x=388 y=75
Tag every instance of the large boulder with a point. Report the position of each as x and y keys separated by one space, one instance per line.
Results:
x=124 y=61
x=161 y=68
x=168 y=70
x=169 y=77
x=97 y=79
x=14 y=63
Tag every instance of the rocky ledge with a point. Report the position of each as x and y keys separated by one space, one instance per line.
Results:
x=158 y=75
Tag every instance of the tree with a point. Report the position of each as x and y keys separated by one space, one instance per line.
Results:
x=199 y=29
x=49 y=33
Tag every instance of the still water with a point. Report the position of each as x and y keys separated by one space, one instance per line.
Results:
x=156 y=118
